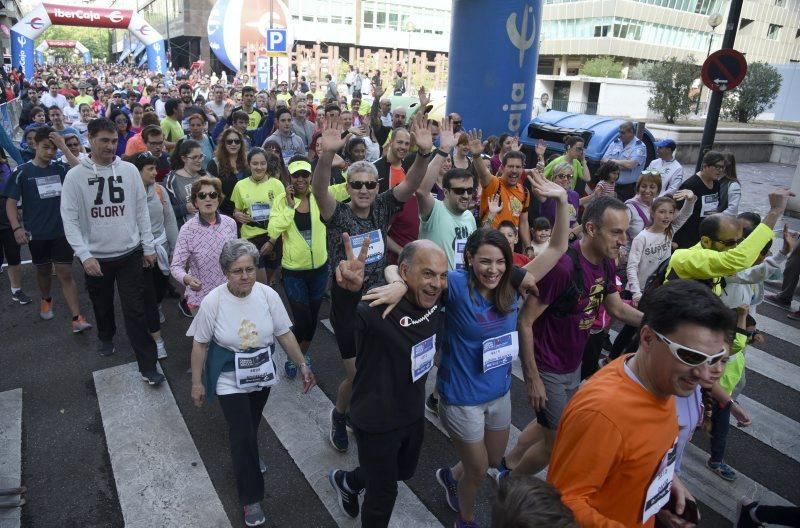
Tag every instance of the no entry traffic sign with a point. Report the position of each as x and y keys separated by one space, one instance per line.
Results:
x=723 y=70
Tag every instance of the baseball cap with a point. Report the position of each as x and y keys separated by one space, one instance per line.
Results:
x=667 y=143
x=299 y=166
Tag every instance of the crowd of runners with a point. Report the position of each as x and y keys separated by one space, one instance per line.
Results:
x=438 y=249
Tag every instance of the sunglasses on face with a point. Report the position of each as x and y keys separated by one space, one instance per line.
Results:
x=233 y=141
x=689 y=356
x=462 y=190
x=729 y=243
x=213 y=195
x=370 y=185
x=303 y=174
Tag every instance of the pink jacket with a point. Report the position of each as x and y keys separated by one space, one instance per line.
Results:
x=197 y=254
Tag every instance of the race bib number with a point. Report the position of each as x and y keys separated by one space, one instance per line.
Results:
x=658 y=491
x=259 y=212
x=49 y=186
x=255 y=369
x=500 y=351
x=459 y=246
x=422 y=357
x=376 y=247
x=710 y=202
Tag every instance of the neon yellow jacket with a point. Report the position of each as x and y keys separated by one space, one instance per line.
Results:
x=297 y=253
x=699 y=263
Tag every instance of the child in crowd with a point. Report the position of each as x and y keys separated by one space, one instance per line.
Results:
x=653 y=245
x=607 y=175
x=540 y=236
x=527 y=501
x=511 y=233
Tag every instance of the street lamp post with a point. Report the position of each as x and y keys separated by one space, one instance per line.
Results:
x=713 y=21
x=409 y=29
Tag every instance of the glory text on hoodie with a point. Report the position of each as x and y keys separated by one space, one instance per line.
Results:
x=104 y=209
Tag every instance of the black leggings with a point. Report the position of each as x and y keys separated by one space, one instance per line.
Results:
x=781 y=515
x=155 y=287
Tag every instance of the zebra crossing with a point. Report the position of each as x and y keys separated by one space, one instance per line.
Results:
x=167 y=472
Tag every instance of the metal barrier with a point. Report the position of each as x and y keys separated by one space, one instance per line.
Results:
x=10 y=132
x=577 y=107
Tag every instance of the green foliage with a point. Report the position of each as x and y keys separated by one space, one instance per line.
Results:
x=756 y=94
x=672 y=80
x=602 y=67
x=95 y=39
x=641 y=72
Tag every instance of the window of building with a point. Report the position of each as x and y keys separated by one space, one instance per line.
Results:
x=797 y=34
x=368 y=17
x=602 y=31
x=380 y=20
x=745 y=26
x=774 y=31
x=780 y=3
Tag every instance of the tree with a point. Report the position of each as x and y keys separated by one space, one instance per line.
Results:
x=641 y=72
x=602 y=67
x=757 y=93
x=672 y=79
x=95 y=39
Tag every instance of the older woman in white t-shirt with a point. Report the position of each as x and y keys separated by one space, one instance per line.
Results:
x=234 y=333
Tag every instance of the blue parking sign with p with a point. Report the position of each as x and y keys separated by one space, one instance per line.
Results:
x=276 y=40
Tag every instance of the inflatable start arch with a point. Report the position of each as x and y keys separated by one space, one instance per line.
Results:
x=69 y=44
x=24 y=32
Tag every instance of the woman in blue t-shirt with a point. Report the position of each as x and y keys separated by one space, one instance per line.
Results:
x=480 y=343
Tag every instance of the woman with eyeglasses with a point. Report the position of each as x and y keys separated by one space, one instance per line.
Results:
x=229 y=165
x=123 y=124
x=165 y=234
x=253 y=199
x=296 y=220
x=187 y=167
x=200 y=240
x=238 y=322
x=574 y=154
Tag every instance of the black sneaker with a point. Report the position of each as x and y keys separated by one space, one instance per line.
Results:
x=20 y=297
x=348 y=500
x=338 y=436
x=743 y=510
x=106 y=348
x=183 y=306
x=153 y=378
x=432 y=404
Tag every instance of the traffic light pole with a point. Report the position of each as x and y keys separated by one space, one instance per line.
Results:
x=715 y=103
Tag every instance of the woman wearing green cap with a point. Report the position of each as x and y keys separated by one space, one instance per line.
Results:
x=295 y=218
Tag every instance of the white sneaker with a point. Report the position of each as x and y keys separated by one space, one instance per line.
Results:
x=162 y=350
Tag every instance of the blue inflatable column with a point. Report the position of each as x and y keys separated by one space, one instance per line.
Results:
x=157 y=57
x=494 y=50
x=22 y=53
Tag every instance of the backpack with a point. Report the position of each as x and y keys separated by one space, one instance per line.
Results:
x=567 y=303
x=660 y=276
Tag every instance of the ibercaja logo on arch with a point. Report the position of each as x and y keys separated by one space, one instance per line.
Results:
x=522 y=39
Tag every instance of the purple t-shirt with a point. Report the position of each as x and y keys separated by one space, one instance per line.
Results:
x=548 y=208
x=559 y=341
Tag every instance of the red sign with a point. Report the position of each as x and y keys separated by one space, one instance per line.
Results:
x=61 y=15
x=61 y=43
x=724 y=70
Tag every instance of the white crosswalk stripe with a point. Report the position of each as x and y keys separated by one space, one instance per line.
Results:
x=10 y=452
x=160 y=477
x=301 y=422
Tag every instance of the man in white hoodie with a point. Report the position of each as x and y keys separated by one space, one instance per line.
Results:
x=106 y=221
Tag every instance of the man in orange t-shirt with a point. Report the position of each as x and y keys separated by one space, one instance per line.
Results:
x=514 y=197
x=614 y=455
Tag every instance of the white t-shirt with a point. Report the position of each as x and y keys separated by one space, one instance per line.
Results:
x=649 y=249
x=671 y=174
x=71 y=114
x=239 y=323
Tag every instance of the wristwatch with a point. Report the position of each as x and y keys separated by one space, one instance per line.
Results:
x=441 y=153
x=426 y=155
